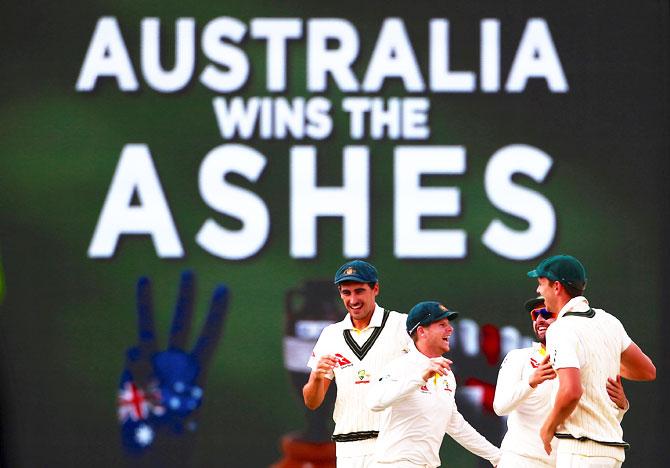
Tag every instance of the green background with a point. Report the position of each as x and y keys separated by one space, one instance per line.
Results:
x=66 y=319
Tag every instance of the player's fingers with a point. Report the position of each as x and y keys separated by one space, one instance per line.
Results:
x=212 y=330
x=326 y=363
x=328 y=359
x=145 y=318
x=183 y=312
x=545 y=360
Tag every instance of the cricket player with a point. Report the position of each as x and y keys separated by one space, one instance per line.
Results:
x=523 y=393
x=416 y=394
x=586 y=347
x=352 y=352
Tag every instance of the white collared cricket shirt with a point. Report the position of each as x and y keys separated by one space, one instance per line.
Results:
x=525 y=407
x=361 y=354
x=418 y=413
x=592 y=341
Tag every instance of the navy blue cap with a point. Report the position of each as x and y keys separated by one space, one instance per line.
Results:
x=533 y=303
x=563 y=268
x=427 y=312
x=358 y=271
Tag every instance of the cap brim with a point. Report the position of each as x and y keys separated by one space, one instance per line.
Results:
x=533 y=303
x=449 y=314
x=354 y=278
x=533 y=274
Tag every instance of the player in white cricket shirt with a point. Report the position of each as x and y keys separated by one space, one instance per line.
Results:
x=523 y=393
x=416 y=394
x=586 y=347
x=352 y=352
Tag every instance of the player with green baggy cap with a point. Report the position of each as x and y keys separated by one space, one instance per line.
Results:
x=586 y=347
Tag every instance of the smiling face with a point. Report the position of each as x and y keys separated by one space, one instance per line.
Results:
x=547 y=289
x=433 y=340
x=359 y=300
x=540 y=325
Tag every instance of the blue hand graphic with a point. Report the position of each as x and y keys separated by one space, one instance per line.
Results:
x=160 y=392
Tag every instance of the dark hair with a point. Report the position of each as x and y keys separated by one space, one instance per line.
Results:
x=572 y=291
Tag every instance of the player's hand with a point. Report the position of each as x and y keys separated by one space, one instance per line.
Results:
x=547 y=434
x=616 y=393
x=161 y=391
x=325 y=365
x=437 y=365
x=543 y=372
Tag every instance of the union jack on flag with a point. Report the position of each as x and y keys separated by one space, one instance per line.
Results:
x=132 y=403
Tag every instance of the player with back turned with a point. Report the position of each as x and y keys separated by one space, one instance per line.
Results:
x=352 y=352
x=523 y=393
x=586 y=347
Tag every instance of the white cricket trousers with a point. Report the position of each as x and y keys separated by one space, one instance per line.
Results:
x=400 y=464
x=362 y=461
x=513 y=460
x=571 y=460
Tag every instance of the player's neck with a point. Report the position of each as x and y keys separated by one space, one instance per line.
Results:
x=362 y=324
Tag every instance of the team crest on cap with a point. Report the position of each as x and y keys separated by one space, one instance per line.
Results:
x=444 y=309
x=349 y=271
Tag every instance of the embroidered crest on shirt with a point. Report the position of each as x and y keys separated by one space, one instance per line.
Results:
x=362 y=377
x=538 y=357
x=445 y=385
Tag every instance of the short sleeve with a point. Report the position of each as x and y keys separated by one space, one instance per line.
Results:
x=318 y=351
x=625 y=339
x=563 y=347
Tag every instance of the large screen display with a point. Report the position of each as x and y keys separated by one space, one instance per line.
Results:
x=183 y=180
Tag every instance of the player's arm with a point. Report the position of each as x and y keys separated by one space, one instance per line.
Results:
x=316 y=387
x=395 y=382
x=468 y=437
x=635 y=365
x=511 y=387
x=567 y=397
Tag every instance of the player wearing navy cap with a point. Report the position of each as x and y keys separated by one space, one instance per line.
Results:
x=352 y=352
x=416 y=392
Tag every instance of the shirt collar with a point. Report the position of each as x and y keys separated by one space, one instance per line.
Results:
x=414 y=352
x=576 y=304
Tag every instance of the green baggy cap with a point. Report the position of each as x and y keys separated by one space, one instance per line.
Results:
x=563 y=268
